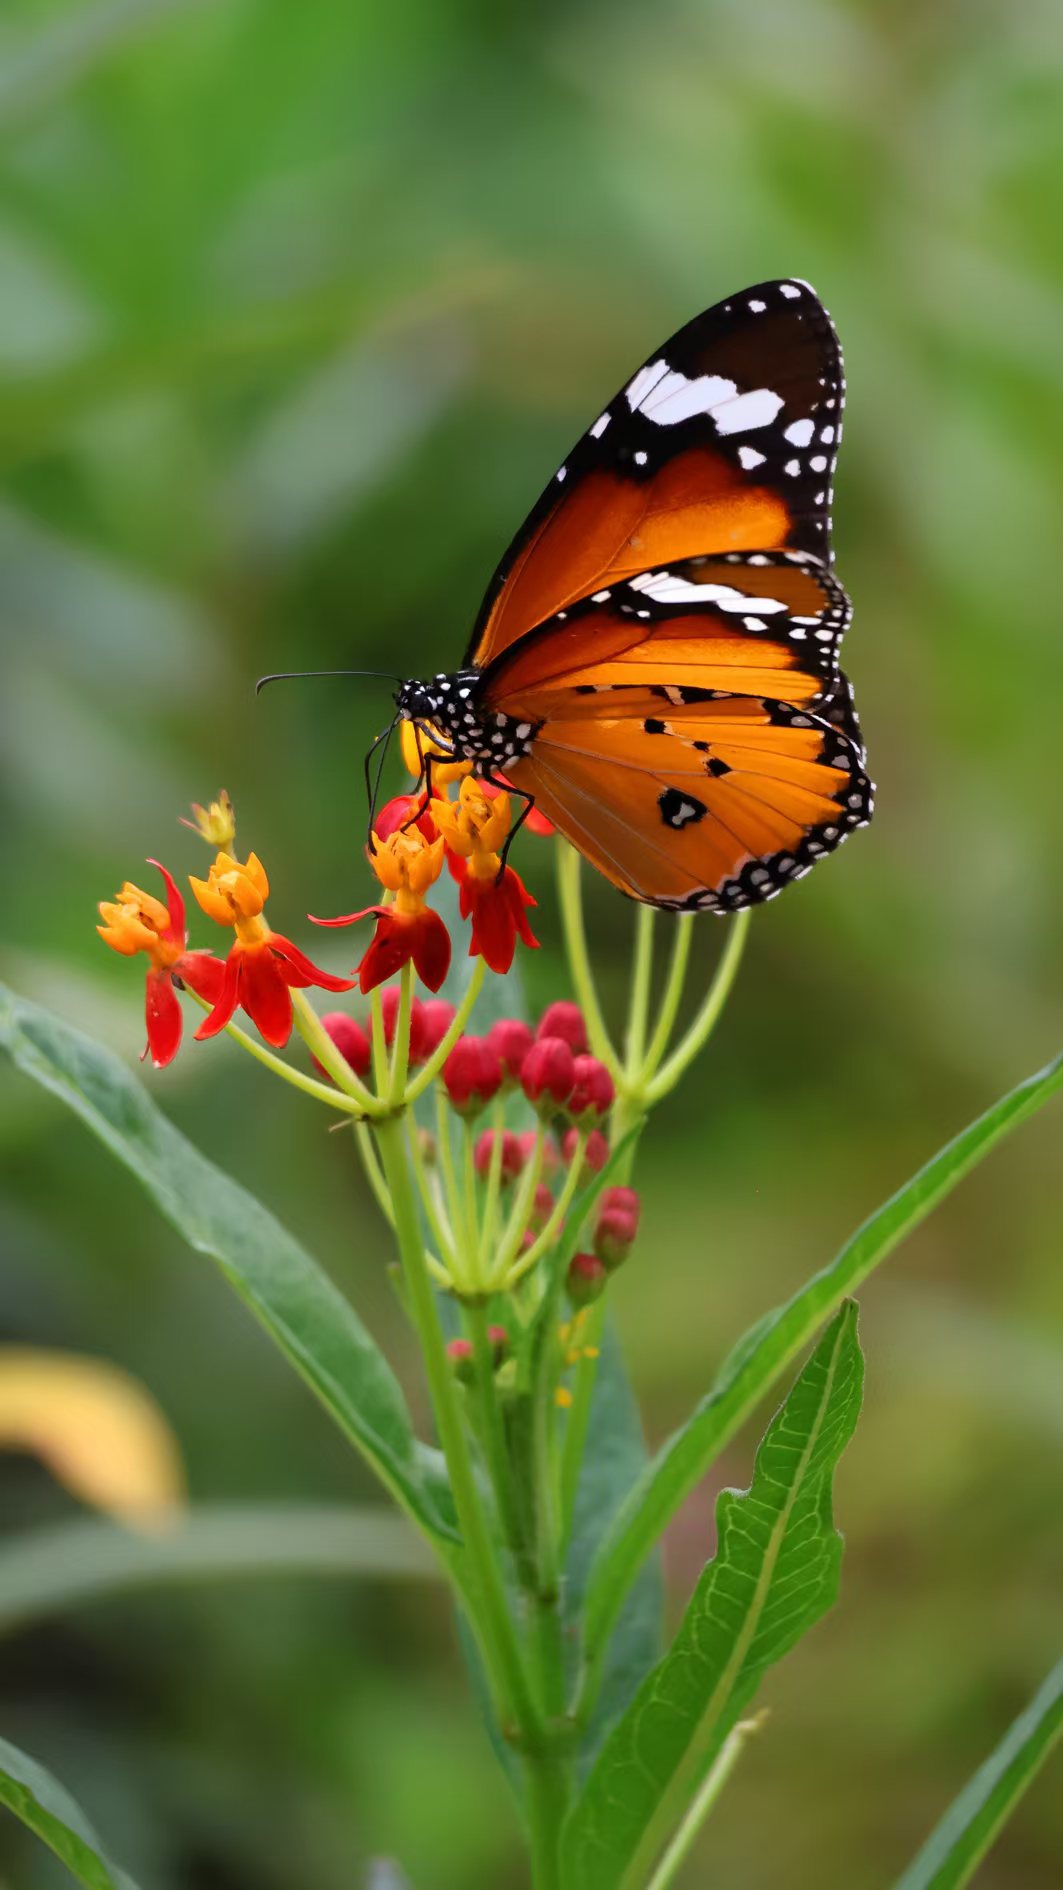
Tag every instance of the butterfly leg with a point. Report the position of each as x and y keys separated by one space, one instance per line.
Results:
x=507 y=787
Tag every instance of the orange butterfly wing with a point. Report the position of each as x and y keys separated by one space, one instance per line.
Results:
x=693 y=735
x=724 y=440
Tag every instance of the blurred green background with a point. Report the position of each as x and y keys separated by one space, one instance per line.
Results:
x=300 y=305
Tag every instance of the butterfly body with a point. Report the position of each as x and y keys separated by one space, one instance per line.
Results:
x=655 y=664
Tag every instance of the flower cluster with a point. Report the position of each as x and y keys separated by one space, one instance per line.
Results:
x=414 y=837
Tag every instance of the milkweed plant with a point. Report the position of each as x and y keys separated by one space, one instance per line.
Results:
x=503 y=1155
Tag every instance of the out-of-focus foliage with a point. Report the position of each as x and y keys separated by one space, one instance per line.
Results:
x=301 y=304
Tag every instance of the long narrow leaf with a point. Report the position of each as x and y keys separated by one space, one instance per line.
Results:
x=49 y=1811
x=311 y=1322
x=774 y=1342
x=953 y=1852
x=775 y=1572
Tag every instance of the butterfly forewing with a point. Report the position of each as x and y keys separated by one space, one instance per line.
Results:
x=723 y=441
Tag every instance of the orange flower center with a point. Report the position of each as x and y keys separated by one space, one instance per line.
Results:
x=134 y=921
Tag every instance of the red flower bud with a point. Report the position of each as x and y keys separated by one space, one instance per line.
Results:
x=586 y=1279
x=595 y=1155
x=511 y=1040
x=472 y=1074
x=350 y=1040
x=564 y=1020
x=436 y=1018
x=512 y=1154
x=614 y=1237
x=542 y=1206
x=548 y=1075
x=498 y=1338
x=528 y=1139
x=390 y=998
x=593 y=1091
x=622 y=1201
x=459 y=1352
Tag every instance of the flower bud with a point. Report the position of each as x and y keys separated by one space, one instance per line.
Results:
x=528 y=1139
x=390 y=999
x=622 y=1201
x=564 y=1020
x=498 y=1339
x=350 y=1040
x=592 y=1092
x=542 y=1206
x=614 y=1237
x=511 y=1040
x=512 y=1154
x=586 y=1279
x=436 y=1018
x=472 y=1074
x=616 y=1225
x=460 y=1354
x=595 y=1155
x=548 y=1075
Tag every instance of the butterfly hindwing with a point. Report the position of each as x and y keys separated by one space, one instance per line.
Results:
x=723 y=441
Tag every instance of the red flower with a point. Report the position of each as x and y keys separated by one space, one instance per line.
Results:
x=564 y=1020
x=496 y=905
x=350 y=1040
x=512 y=1159
x=472 y=1074
x=595 y=1155
x=397 y=815
x=263 y=967
x=592 y=1093
x=137 y=922
x=436 y=1018
x=586 y=1279
x=512 y=1040
x=406 y=863
x=548 y=1075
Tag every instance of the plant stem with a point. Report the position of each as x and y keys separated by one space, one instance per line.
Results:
x=495 y=1629
x=570 y=899
x=716 y=1778
x=320 y=1044
x=439 y=1056
x=492 y=1433
x=641 y=974
x=545 y=1240
x=322 y=1092
x=373 y=1173
x=400 y=1053
x=672 y=994
x=704 y=1023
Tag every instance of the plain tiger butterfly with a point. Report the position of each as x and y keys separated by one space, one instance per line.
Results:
x=655 y=664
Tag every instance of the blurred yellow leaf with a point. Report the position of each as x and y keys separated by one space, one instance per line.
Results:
x=96 y=1429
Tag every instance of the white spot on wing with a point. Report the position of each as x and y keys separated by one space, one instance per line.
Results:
x=599 y=426
x=673 y=397
x=744 y=414
x=666 y=588
x=790 y=290
x=645 y=379
x=800 y=433
x=750 y=457
x=755 y=307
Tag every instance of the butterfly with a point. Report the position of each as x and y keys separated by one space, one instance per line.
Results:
x=655 y=664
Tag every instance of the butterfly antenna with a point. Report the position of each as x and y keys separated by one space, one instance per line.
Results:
x=372 y=786
x=300 y=675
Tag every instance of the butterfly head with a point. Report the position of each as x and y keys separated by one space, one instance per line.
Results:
x=447 y=710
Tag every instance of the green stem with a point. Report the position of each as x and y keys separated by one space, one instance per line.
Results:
x=491 y=1619
x=489 y=1218
x=400 y=1052
x=380 y=1048
x=570 y=899
x=671 y=996
x=716 y=1778
x=322 y=1092
x=705 y=1022
x=545 y=1240
x=451 y=1191
x=523 y=1200
x=577 y=1423
x=546 y=1806
x=471 y=1229
x=492 y=1432
x=638 y=1013
x=373 y=1172
x=431 y=1202
x=320 y=1044
x=435 y=1063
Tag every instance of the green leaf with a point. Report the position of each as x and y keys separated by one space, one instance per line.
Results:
x=953 y=1852
x=45 y=1571
x=607 y=1473
x=49 y=1811
x=764 y=1353
x=775 y=1572
x=306 y=1316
